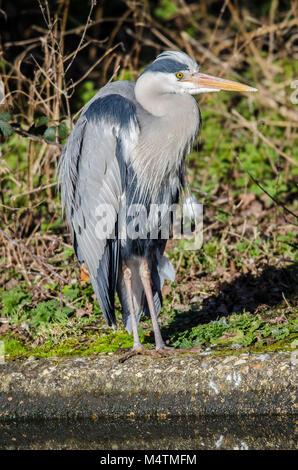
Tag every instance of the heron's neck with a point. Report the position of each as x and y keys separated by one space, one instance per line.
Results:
x=152 y=97
x=168 y=124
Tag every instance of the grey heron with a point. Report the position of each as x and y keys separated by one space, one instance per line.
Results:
x=128 y=148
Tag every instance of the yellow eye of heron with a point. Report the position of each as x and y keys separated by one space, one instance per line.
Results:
x=179 y=75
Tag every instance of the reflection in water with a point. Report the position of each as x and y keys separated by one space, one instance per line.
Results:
x=220 y=432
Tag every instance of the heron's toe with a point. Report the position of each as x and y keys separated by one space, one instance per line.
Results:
x=136 y=350
x=165 y=350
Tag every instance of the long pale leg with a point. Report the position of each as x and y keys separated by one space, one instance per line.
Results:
x=138 y=348
x=127 y=280
x=146 y=281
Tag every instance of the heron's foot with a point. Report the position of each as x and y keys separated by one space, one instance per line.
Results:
x=159 y=352
x=136 y=350
x=194 y=349
x=165 y=350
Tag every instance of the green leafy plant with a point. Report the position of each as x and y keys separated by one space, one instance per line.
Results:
x=5 y=127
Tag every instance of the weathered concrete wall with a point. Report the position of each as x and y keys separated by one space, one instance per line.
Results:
x=186 y=385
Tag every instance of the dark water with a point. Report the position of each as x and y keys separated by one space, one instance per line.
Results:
x=219 y=432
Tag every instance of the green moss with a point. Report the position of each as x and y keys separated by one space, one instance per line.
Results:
x=15 y=348
x=106 y=343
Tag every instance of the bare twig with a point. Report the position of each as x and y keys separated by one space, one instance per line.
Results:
x=36 y=190
x=35 y=257
x=36 y=138
x=251 y=126
x=273 y=198
x=211 y=196
x=75 y=84
x=87 y=24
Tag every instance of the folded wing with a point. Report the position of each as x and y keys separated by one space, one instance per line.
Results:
x=92 y=177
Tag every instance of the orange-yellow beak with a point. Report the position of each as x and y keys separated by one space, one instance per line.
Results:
x=211 y=83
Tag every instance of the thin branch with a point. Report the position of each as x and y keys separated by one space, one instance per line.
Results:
x=87 y=24
x=255 y=130
x=35 y=257
x=196 y=190
x=62 y=92
x=36 y=190
x=36 y=138
x=274 y=199
x=73 y=85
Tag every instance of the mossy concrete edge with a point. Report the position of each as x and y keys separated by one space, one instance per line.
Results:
x=101 y=387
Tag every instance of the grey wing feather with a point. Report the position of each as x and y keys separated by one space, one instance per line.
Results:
x=91 y=178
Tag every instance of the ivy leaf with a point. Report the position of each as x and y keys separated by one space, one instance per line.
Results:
x=62 y=131
x=41 y=121
x=5 y=116
x=50 y=133
x=5 y=128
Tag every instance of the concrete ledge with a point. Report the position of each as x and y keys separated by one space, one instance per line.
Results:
x=189 y=385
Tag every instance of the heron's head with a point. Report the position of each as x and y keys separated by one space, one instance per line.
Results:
x=176 y=72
